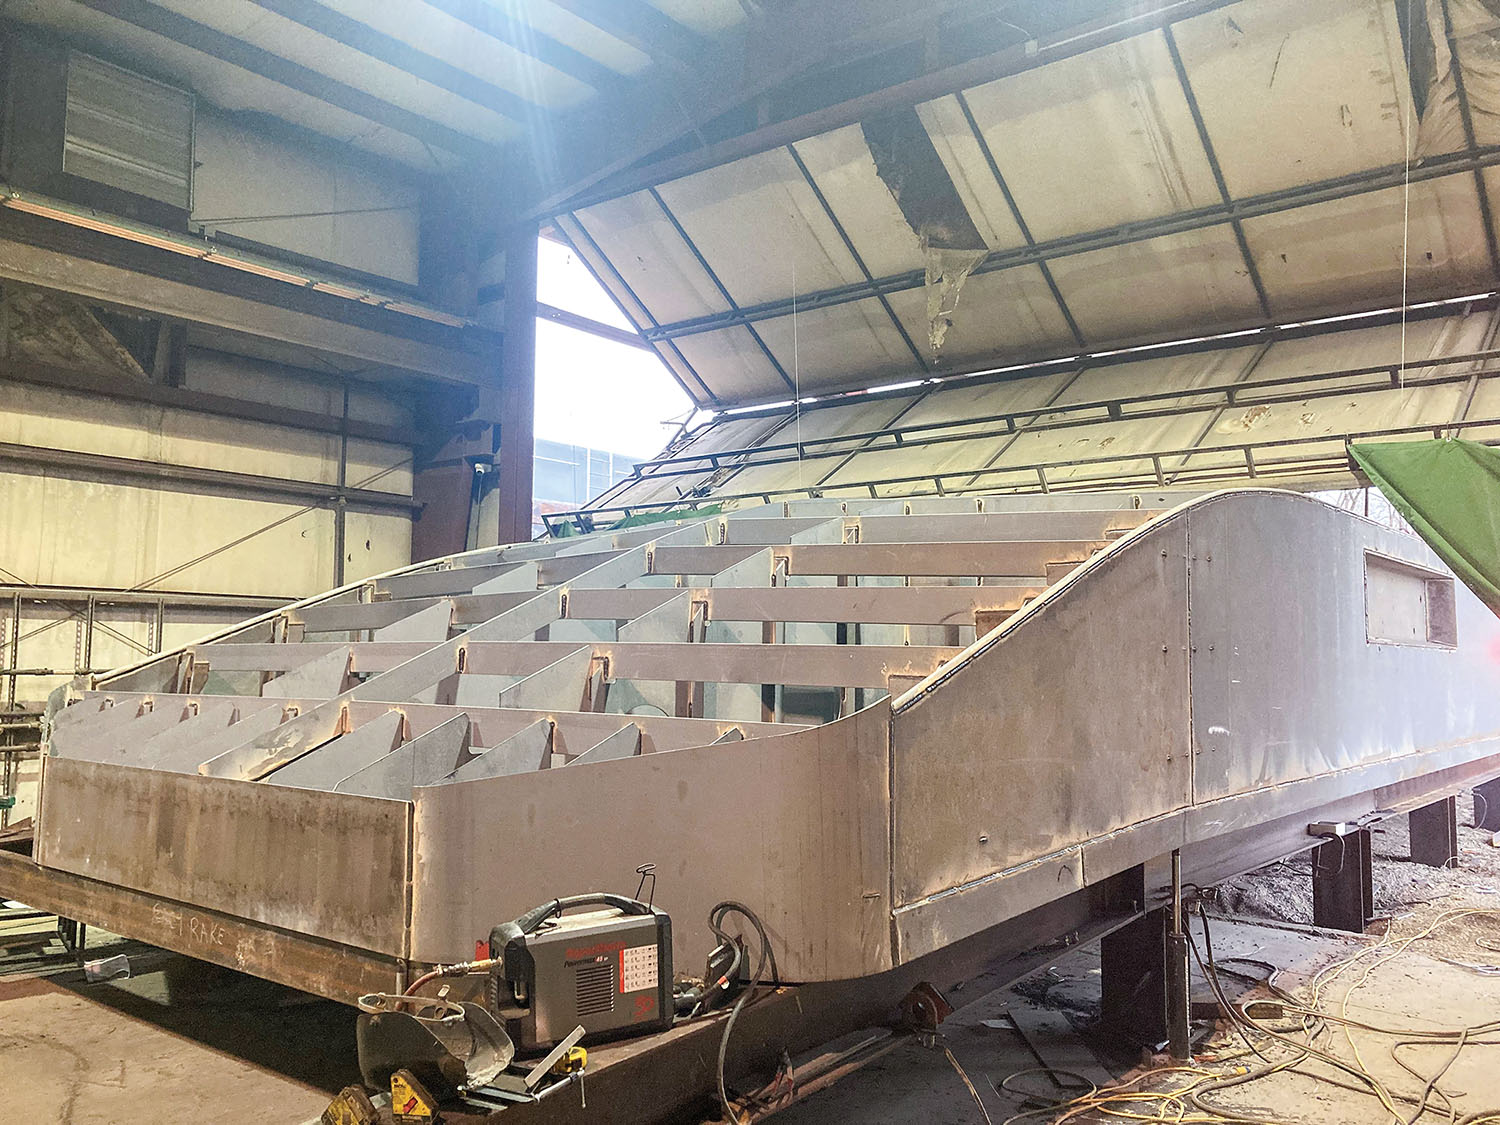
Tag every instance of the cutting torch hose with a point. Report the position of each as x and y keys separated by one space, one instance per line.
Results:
x=462 y=969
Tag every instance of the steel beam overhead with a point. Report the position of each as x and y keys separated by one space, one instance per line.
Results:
x=596 y=263
x=603 y=154
x=1181 y=222
x=103 y=596
x=226 y=48
x=51 y=256
x=491 y=20
x=723 y=290
x=98 y=466
x=394 y=52
x=1015 y=213
x=645 y=28
x=198 y=402
x=592 y=327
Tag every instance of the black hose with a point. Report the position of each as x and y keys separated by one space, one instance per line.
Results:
x=766 y=957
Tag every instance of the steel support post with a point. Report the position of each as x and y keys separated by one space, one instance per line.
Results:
x=517 y=386
x=15 y=651
x=1175 y=969
x=1343 y=896
x=1434 y=833
x=1133 y=988
x=1487 y=805
x=341 y=506
x=90 y=610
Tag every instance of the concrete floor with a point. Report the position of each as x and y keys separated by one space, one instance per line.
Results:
x=179 y=1042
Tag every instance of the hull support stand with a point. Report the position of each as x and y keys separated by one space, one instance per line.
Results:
x=1434 y=833
x=1343 y=896
x=1487 y=805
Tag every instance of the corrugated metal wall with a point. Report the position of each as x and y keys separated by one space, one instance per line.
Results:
x=82 y=529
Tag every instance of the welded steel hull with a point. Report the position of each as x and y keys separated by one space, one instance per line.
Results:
x=1153 y=682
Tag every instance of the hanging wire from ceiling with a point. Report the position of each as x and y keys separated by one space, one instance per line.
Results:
x=1408 y=144
x=796 y=376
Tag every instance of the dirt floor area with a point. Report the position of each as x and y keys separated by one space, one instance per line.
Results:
x=183 y=1041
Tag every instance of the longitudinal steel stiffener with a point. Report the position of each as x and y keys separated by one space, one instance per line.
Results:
x=888 y=726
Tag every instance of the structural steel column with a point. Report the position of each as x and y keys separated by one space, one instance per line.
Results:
x=1175 y=970
x=1343 y=894
x=517 y=385
x=1133 y=981
x=1434 y=833
x=1487 y=805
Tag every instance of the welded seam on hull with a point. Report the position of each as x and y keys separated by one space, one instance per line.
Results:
x=1070 y=852
x=982 y=645
x=1359 y=774
x=890 y=833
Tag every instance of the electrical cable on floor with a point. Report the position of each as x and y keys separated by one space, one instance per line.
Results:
x=1188 y=1104
x=1004 y=1085
x=972 y=1091
x=1314 y=1019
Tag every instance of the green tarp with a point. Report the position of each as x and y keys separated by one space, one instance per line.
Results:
x=1449 y=491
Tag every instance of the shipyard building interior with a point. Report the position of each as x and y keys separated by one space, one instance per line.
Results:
x=705 y=560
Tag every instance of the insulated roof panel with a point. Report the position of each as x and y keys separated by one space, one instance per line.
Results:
x=1368 y=347
x=961 y=430
x=601 y=267
x=962 y=154
x=1334 y=417
x=731 y=433
x=1118 y=448
x=856 y=417
x=844 y=170
x=760 y=226
x=227 y=87
x=640 y=242
x=1096 y=140
x=1002 y=313
x=582 y=36
x=443 y=36
x=706 y=16
x=1476 y=28
x=1174 y=283
x=952 y=408
x=1351 y=251
x=1163 y=373
x=741 y=370
x=1305 y=107
x=1491 y=178
x=1337 y=415
x=1108 y=438
x=253 y=24
x=823 y=348
x=1293 y=92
